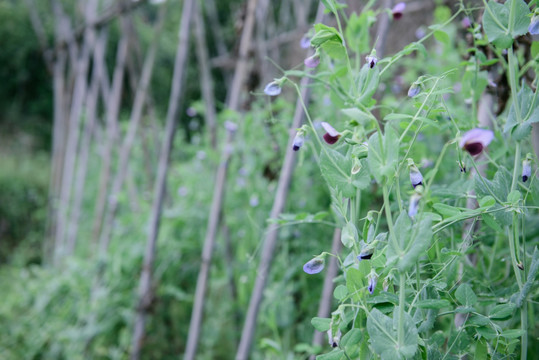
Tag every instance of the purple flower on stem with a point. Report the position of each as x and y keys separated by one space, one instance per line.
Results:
x=414 y=90
x=273 y=88
x=371 y=60
x=415 y=175
x=334 y=340
x=475 y=140
x=365 y=254
x=331 y=136
x=534 y=25
x=466 y=22
x=373 y=279
x=398 y=10
x=526 y=168
x=414 y=205
x=298 y=141
x=315 y=265
x=305 y=42
x=312 y=61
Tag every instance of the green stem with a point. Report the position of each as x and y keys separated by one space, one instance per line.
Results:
x=389 y=218
x=402 y=300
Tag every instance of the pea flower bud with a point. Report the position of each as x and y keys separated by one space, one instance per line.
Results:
x=365 y=254
x=414 y=205
x=298 y=141
x=305 y=42
x=534 y=25
x=331 y=136
x=372 y=59
x=414 y=90
x=415 y=175
x=274 y=88
x=526 y=168
x=312 y=61
x=372 y=280
x=334 y=340
x=466 y=22
x=315 y=265
x=398 y=10
x=475 y=140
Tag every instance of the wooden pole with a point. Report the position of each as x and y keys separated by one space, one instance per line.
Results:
x=145 y=291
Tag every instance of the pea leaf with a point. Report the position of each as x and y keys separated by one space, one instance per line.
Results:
x=465 y=295
x=383 y=154
x=337 y=171
x=321 y=324
x=496 y=22
x=412 y=241
x=383 y=333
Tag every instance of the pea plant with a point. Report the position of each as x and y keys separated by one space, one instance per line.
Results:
x=429 y=158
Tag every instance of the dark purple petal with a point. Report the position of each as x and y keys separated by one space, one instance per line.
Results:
x=331 y=139
x=397 y=10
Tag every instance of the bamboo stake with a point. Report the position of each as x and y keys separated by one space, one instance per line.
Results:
x=218 y=193
x=145 y=292
x=207 y=82
x=209 y=242
x=73 y=135
x=324 y=308
x=113 y=108
x=91 y=117
x=129 y=139
x=270 y=240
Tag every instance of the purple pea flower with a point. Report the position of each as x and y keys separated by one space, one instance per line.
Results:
x=534 y=25
x=398 y=10
x=373 y=279
x=331 y=136
x=414 y=205
x=312 y=61
x=466 y=22
x=475 y=140
x=414 y=90
x=298 y=141
x=274 y=88
x=315 y=265
x=371 y=60
x=334 y=340
x=526 y=168
x=415 y=175
x=305 y=42
x=365 y=254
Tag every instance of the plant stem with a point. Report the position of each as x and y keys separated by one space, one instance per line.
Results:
x=402 y=300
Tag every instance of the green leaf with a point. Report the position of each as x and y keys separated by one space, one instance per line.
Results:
x=465 y=295
x=340 y=292
x=357 y=31
x=383 y=154
x=446 y=210
x=514 y=197
x=500 y=186
x=502 y=311
x=321 y=324
x=529 y=111
x=487 y=332
x=334 y=355
x=354 y=282
x=487 y=201
x=489 y=220
x=368 y=83
x=351 y=341
x=323 y=34
x=335 y=49
x=359 y=115
x=442 y=37
x=412 y=241
x=481 y=351
x=512 y=333
x=479 y=320
x=519 y=298
x=383 y=333
x=433 y=304
x=496 y=22
x=337 y=171
x=349 y=235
